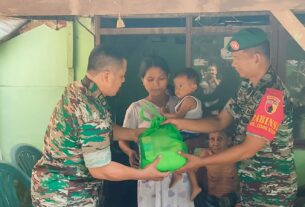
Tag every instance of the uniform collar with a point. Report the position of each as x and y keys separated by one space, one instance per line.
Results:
x=92 y=88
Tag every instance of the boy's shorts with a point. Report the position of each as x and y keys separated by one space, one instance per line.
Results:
x=203 y=199
x=228 y=200
x=189 y=135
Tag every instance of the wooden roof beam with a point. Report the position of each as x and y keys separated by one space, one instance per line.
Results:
x=139 y=7
x=292 y=25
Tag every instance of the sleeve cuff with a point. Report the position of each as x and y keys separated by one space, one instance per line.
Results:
x=98 y=158
x=258 y=136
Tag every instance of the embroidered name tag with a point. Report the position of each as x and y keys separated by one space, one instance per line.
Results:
x=268 y=115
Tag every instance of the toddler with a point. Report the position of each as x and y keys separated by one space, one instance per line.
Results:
x=186 y=83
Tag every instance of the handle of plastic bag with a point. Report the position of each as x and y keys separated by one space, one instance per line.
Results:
x=148 y=107
x=158 y=118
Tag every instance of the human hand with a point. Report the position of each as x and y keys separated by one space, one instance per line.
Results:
x=193 y=162
x=213 y=76
x=164 y=110
x=151 y=172
x=166 y=114
x=133 y=159
x=174 y=121
x=137 y=133
x=204 y=85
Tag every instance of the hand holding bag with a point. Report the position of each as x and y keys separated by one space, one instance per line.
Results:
x=164 y=140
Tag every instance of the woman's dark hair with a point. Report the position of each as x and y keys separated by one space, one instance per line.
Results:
x=153 y=61
x=190 y=73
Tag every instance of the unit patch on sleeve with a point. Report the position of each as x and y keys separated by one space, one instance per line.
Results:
x=268 y=115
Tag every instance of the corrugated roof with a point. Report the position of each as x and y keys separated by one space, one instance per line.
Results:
x=9 y=27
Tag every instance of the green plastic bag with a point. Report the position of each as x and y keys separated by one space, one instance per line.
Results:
x=164 y=140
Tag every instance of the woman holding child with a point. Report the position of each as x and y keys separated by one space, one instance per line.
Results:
x=154 y=73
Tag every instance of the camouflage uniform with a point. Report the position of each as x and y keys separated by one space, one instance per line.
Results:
x=269 y=177
x=77 y=138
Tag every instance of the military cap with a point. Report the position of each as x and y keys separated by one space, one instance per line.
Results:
x=246 y=38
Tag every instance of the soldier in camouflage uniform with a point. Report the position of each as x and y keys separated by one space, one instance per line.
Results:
x=261 y=113
x=76 y=152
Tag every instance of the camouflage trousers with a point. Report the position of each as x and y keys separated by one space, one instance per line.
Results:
x=268 y=195
x=49 y=192
x=57 y=201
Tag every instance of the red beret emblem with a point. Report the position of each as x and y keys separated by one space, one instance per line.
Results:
x=234 y=45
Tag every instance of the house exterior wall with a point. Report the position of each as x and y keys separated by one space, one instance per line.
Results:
x=33 y=74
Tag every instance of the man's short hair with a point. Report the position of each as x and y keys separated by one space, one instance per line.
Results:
x=264 y=48
x=103 y=56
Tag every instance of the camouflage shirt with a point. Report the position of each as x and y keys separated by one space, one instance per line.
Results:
x=77 y=138
x=269 y=177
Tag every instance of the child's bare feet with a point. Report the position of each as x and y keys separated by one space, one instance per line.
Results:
x=195 y=192
x=174 y=180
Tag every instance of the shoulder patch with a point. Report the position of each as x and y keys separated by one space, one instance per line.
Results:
x=268 y=115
